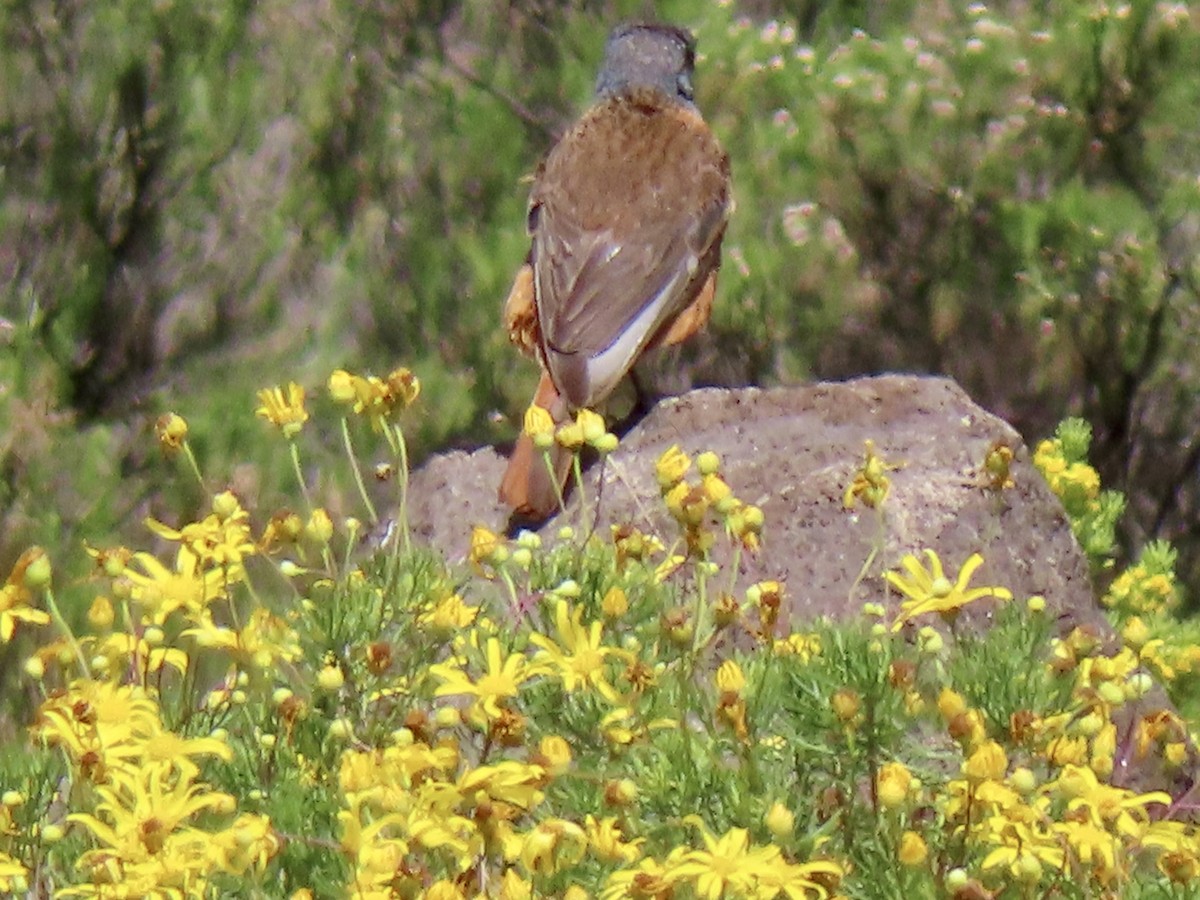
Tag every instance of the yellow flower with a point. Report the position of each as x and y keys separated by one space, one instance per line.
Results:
x=16 y=596
x=620 y=792
x=501 y=681
x=951 y=704
x=846 y=705
x=263 y=643
x=377 y=399
x=486 y=547
x=13 y=875
x=591 y=426
x=731 y=683
x=141 y=814
x=608 y=844
x=105 y=729
x=101 y=613
x=551 y=846
x=375 y=846
x=1020 y=848
x=801 y=645
x=554 y=753
x=1117 y=808
x=671 y=467
x=728 y=865
x=138 y=654
x=450 y=614
x=250 y=841
x=632 y=544
x=330 y=679
x=171 y=431
x=615 y=603
x=649 y=878
x=913 y=851
x=341 y=386
x=892 y=784
x=989 y=762
x=509 y=781
x=404 y=387
x=997 y=467
x=221 y=538
x=578 y=656
x=319 y=527
x=929 y=590
x=717 y=490
x=871 y=483
x=188 y=586
x=730 y=678
x=514 y=887
x=283 y=410
x=539 y=425
x=731 y=866
x=780 y=821
x=777 y=877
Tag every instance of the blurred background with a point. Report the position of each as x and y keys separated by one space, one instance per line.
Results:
x=198 y=200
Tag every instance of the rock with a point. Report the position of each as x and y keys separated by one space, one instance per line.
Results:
x=793 y=451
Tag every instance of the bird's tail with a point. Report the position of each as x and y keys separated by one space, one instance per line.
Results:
x=528 y=485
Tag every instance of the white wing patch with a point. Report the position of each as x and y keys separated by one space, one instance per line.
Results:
x=608 y=367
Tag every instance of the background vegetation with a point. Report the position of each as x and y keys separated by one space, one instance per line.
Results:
x=200 y=199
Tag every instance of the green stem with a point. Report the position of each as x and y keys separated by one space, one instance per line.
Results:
x=191 y=458
x=876 y=547
x=401 y=447
x=57 y=616
x=700 y=625
x=577 y=473
x=358 y=479
x=296 y=468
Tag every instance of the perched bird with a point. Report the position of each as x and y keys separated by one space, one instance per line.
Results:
x=626 y=216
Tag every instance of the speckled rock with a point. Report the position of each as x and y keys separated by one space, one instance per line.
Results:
x=793 y=451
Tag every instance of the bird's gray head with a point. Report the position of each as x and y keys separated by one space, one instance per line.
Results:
x=646 y=55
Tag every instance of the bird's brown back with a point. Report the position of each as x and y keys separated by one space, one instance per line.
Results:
x=632 y=201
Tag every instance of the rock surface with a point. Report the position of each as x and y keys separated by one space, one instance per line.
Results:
x=793 y=451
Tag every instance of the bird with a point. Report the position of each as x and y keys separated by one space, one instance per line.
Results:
x=626 y=216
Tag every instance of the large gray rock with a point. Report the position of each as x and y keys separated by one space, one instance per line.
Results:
x=793 y=451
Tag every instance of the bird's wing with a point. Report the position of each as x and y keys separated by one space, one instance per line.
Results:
x=625 y=221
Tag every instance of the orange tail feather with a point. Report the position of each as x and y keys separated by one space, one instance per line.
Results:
x=528 y=486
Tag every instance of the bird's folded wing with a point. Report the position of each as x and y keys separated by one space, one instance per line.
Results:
x=602 y=295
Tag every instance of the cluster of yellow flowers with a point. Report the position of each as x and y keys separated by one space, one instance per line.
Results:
x=141 y=783
x=1093 y=512
x=570 y=718
x=137 y=782
x=871 y=483
x=1143 y=591
x=1070 y=818
x=1075 y=482
x=587 y=428
x=690 y=504
x=1035 y=804
x=378 y=399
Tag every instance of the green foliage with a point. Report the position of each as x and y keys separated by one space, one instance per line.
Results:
x=999 y=673
x=1001 y=194
x=300 y=709
x=1094 y=513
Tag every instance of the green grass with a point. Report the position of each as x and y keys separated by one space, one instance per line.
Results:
x=269 y=716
